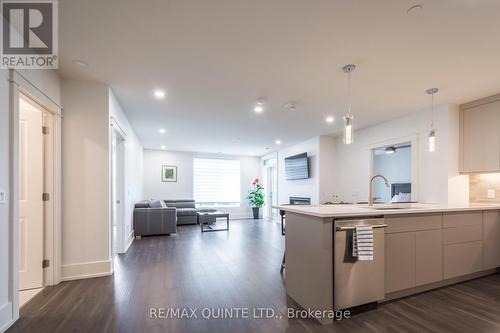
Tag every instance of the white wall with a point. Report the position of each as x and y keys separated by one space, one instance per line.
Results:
x=434 y=169
x=302 y=187
x=85 y=179
x=458 y=185
x=320 y=186
x=133 y=172
x=183 y=188
x=326 y=168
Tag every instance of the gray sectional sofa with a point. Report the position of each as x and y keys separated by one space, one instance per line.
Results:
x=186 y=211
x=160 y=217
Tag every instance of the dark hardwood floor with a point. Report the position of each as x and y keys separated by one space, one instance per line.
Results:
x=235 y=269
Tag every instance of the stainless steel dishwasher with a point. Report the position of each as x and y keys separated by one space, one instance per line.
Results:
x=358 y=282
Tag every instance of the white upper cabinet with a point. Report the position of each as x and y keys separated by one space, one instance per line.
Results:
x=480 y=136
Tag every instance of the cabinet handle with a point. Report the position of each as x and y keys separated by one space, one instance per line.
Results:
x=352 y=227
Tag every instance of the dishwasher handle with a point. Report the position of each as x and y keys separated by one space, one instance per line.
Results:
x=353 y=227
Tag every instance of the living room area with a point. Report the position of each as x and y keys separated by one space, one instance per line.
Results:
x=192 y=185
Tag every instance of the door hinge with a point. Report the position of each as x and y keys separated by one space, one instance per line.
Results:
x=45 y=263
x=45 y=197
x=45 y=130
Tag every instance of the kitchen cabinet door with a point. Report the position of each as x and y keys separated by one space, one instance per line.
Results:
x=399 y=261
x=462 y=259
x=491 y=239
x=481 y=138
x=428 y=256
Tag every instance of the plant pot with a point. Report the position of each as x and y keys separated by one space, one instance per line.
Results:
x=256 y=211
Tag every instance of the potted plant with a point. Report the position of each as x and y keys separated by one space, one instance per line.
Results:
x=256 y=197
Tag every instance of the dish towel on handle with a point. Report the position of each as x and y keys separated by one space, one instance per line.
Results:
x=362 y=242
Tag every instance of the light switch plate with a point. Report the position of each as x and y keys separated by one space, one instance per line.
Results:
x=491 y=194
x=3 y=196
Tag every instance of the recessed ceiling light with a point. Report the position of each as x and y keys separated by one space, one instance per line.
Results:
x=159 y=94
x=163 y=147
x=415 y=10
x=259 y=106
x=162 y=131
x=278 y=142
x=80 y=63
x=329 y=119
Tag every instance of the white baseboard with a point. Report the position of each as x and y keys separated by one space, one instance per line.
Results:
x=26 y=295
x=130 y=240
x=6 y=319
x=86 y=270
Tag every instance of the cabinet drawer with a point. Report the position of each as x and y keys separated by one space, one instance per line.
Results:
x=416 y=222
x=453 y=220
x=468 y=233
x=461 y=259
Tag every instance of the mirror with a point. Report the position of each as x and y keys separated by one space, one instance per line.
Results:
x=395 y=163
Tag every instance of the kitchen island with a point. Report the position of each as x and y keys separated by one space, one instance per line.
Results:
x=417 y=247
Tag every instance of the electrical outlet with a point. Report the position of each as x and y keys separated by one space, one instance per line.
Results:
x=491 y=194
x=3 y=196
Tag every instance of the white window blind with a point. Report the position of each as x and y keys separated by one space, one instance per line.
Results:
x=216 y=182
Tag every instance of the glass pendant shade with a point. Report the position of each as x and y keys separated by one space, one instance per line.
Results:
x=348 y=130
x=432 y=131
x=432 y=140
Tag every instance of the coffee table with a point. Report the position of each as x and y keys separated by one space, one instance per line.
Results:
x=210 y=217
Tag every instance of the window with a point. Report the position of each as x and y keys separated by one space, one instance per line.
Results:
x=216 y=182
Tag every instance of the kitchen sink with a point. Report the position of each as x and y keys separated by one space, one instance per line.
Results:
x=390 y=206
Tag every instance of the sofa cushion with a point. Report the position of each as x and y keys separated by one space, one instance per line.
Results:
x=153 y=203
x=185 y=204
x=142 y=204
x=169 y=203
x=186 y=212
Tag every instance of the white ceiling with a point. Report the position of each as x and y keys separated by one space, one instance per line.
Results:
x=215 y=58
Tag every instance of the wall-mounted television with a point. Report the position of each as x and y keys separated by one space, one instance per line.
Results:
x=297 y=167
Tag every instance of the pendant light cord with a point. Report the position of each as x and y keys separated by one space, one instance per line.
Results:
x=432 y=110
x=349 y=93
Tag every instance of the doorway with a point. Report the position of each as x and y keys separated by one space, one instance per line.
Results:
x=117 y=180
x=271 y=189
x=35 y=166
x=397 y=160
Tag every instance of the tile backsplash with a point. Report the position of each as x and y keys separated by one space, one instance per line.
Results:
x=483 y=186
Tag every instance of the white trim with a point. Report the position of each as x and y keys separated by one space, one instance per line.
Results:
x=130 y=241
x=6 y=316
x=86 y=270
x=27 y=295
x=415 y=151
x=14 y=196
x=33 y=90
x=118 y=138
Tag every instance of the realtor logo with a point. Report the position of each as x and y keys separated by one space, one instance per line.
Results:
x=29 y=35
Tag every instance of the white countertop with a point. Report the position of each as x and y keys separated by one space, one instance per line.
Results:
x=365 y=210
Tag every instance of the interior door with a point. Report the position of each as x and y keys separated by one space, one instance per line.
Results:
x=30 y=196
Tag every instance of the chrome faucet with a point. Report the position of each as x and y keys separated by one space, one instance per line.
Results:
x=370 y=198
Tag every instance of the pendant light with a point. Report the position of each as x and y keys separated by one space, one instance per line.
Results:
x=432 y=131
x=348 y=118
